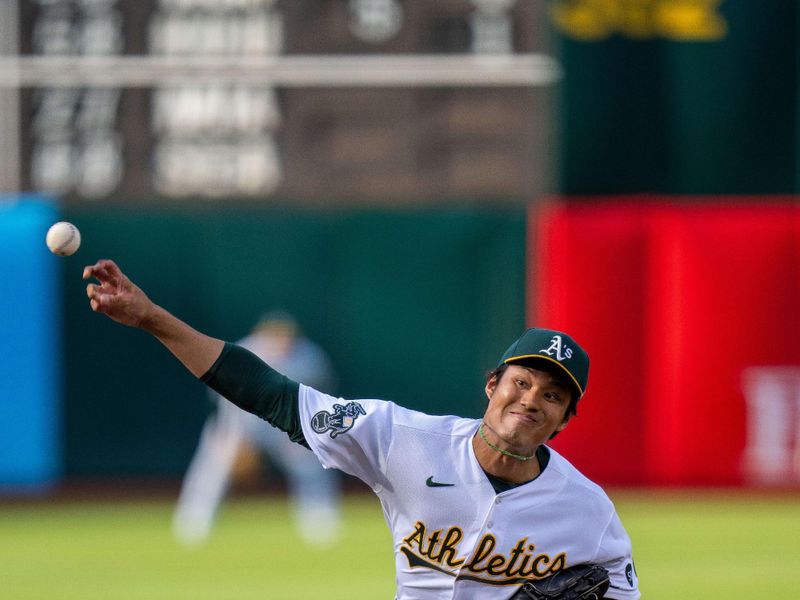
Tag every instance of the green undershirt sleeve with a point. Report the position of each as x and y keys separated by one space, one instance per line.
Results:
x=254 y=386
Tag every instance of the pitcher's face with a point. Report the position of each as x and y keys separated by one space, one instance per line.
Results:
x=526 y=406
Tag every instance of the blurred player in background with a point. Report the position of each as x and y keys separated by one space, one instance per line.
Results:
x=233 y=440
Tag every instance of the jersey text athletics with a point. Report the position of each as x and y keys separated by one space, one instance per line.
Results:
x=438 y=550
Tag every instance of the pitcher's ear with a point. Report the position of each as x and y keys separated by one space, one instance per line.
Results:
x=491 y=385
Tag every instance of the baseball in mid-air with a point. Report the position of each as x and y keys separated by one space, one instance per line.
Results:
x=63 y=238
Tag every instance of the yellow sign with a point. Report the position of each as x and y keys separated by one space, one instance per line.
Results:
x=679 y=20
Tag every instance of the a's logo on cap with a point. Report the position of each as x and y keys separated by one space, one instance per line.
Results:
x=557 y=349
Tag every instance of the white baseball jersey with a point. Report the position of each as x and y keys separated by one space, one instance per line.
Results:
x=454 y=536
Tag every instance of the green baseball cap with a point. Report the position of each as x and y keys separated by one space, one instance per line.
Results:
x=553 y=347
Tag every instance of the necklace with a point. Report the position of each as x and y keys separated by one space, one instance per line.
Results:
x=501 y=451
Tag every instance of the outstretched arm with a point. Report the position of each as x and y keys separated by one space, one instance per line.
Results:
x=119 y=299
x=233 y=372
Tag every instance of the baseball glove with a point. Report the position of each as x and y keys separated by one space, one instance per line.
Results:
x=581 y=582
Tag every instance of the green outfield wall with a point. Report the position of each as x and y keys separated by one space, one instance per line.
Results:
x=678 y=96
x=414 y=306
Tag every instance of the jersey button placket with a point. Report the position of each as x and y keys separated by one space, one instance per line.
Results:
x=490 y=522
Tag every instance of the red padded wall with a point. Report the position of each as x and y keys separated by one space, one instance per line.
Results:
x=587 y=282
x=672 y=302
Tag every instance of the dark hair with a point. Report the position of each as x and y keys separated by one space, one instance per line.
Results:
x=572 y=408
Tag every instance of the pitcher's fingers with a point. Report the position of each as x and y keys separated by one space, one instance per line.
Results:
x=103 y=301
x=102 y=269
x=88 y=271
x=96 y=291
x=96 y=297
x=97 y=270
x=110 y=266
x=101 y=296
x=110 y=271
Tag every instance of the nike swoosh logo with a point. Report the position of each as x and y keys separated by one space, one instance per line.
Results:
x=431 y=483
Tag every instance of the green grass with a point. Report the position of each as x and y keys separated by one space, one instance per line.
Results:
x=124 y=551
x=708 y=546
x=714 y=545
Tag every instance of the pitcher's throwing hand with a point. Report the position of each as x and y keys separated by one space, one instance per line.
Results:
x=115 y=295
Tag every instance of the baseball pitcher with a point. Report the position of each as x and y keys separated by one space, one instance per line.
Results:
x=478 y=508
